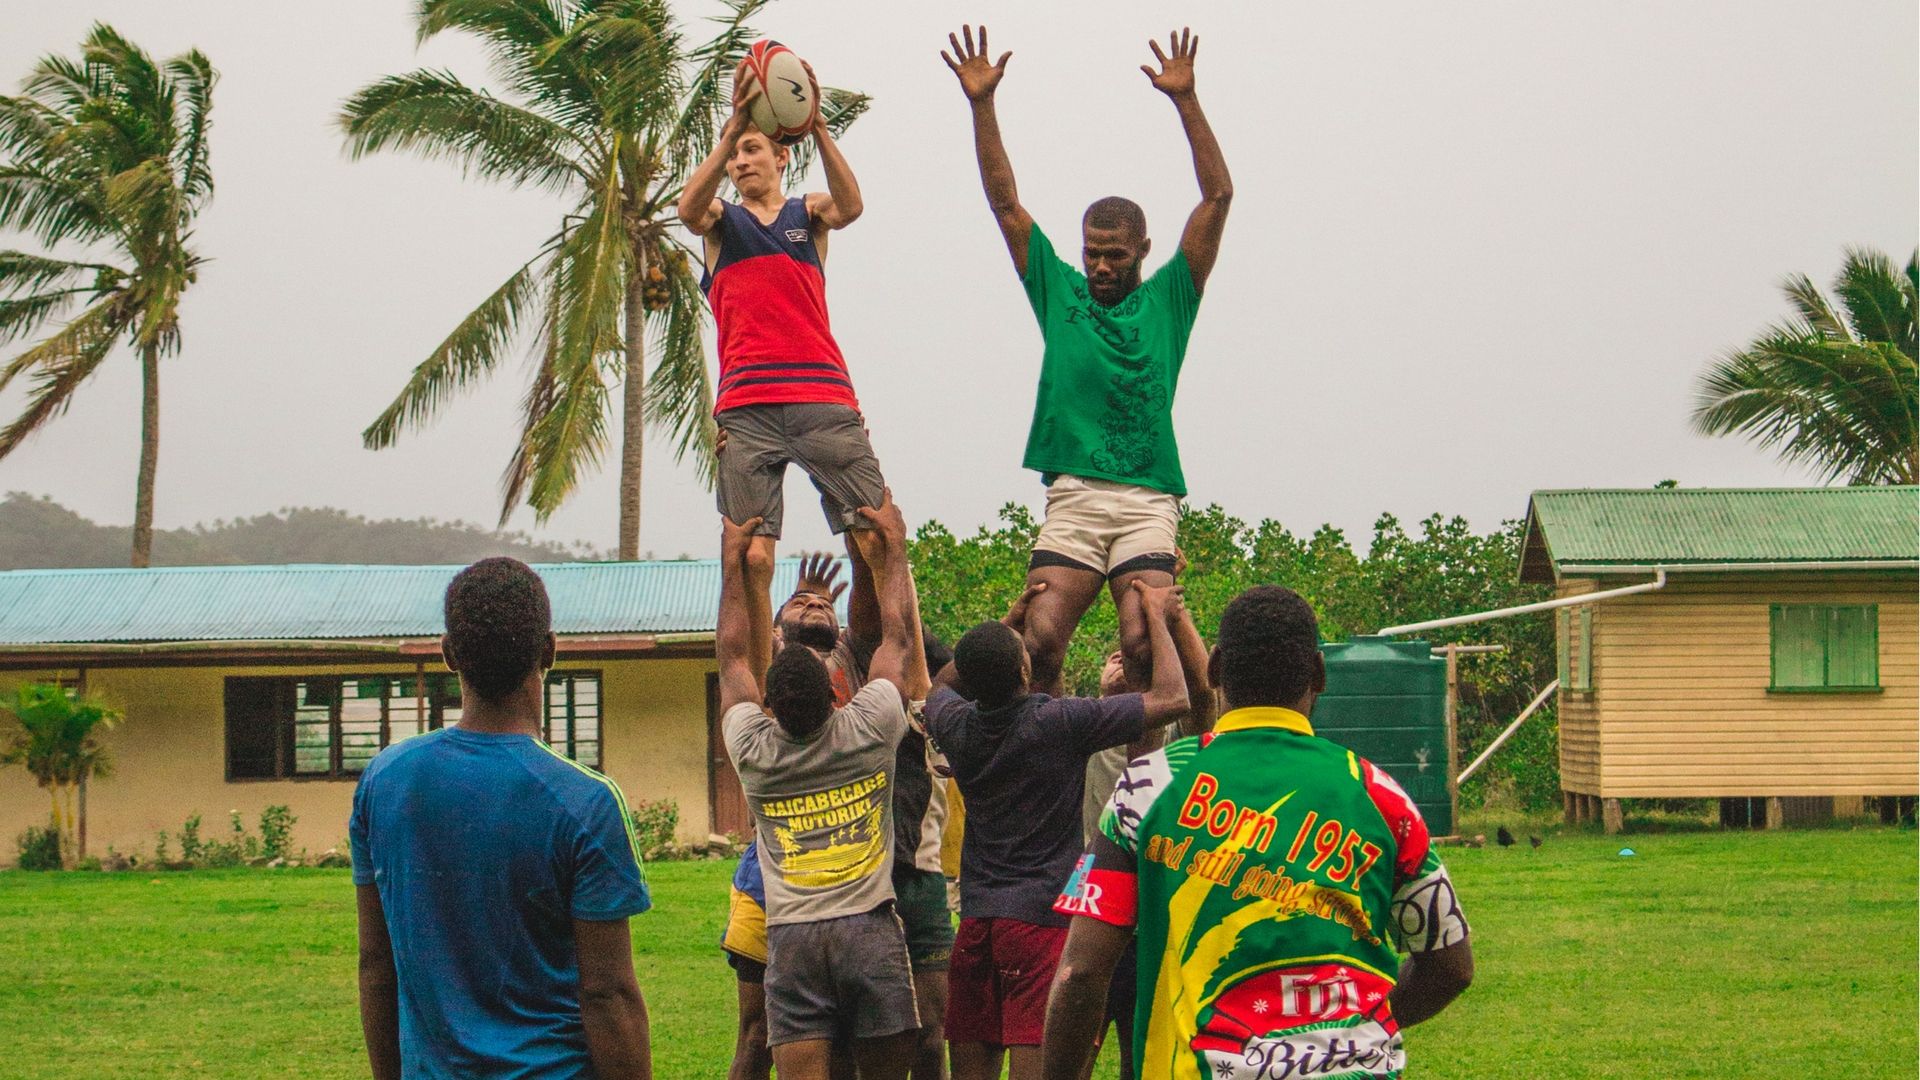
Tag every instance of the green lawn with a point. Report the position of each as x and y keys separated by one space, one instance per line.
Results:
x=1704 y=955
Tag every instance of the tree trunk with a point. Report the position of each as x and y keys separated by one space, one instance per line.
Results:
x=633 y=428
x=149 y=455
x=59 y=828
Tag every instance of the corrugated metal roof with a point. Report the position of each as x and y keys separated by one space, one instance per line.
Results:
x=326 y=602
x=1678 y=526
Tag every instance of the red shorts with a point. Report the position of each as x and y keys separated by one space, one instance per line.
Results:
x=998 y=979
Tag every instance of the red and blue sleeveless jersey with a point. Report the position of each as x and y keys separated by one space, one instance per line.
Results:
x=768 y=292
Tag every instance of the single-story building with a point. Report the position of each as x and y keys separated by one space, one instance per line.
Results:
x=250 y=686
x=1773 y=660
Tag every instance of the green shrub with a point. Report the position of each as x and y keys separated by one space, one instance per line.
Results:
x=39 y=849
x=276 y=830
x=655 y=823
x=191 y=848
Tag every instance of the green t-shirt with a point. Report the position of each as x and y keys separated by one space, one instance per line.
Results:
x=1104 y=410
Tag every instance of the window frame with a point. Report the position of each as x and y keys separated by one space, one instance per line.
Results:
x=567 y=676
x=443 y=705
x=1828 y=634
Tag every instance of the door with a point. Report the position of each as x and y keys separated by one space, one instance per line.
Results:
x=726 y=803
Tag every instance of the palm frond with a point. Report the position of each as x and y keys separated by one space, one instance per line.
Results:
x=36 y=288
x=709 y=87
x=1813 y=306
x=50 y=207
x=469 y=353
x=537 y=401
x=1870 y=290
x=60 y=364
x=569 y=436
x=22 y=272
x=680 y=392
x=839 y=108
x=193 y=74
x=593 y=261
x=1843 y=409
x=517 y=35
x=435 y=115
x=630 y=52
x=21 y=317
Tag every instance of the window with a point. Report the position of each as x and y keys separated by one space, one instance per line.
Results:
x=331 y=726
x=573 y=715
x=1573 y=636
x=1820 y=647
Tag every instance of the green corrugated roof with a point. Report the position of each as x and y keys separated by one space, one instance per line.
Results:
x=338 y=602
x=1681 y=526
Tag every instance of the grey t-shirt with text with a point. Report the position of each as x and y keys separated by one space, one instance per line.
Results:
x=823 y=806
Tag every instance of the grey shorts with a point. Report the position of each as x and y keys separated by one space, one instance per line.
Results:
x=839 y=978
x=828 y=441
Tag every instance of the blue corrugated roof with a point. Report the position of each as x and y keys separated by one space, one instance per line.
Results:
x=326 y=602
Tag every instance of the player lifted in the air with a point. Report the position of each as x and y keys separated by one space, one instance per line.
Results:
x=1102 y=435
x=784 y=394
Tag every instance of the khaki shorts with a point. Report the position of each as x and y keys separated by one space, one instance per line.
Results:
x=1106 y=527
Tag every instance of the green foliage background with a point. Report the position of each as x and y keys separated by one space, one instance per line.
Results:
x=1442 y=568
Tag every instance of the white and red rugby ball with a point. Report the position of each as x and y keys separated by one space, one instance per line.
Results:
x=789 y=99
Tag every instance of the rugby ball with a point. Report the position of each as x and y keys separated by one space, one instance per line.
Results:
x=789 y=99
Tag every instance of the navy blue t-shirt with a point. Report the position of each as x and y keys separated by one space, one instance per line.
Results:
x=485 y=848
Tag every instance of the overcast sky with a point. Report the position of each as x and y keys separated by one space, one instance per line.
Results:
x=1477 y=249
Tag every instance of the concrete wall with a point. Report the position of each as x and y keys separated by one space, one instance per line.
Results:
x=170 y=754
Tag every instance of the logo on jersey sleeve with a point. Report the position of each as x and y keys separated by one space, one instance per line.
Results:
x=1111 y=896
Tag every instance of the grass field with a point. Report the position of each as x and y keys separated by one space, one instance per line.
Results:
x=1703 y=955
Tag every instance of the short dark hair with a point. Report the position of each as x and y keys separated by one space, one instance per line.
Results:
x=988 y=659
x=498 y=618
x=1268 y=648
x=799 y=690
x=1114 y=212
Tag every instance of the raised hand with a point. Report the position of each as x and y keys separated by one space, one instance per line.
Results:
x=977 y=75
x=1016 y=616
x=735 y=538
x=745 y=89
x=1175 y=76
x=887 y=521
x=1163 y=602
x=819 y=574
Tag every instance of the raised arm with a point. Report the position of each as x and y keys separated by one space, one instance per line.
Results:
x=978 y=78
x=700 y=200
x=1193 y=665
x=733 y=631
x=899 y=659
x=840 y=204
x=1201 y=240
x=1166 y=698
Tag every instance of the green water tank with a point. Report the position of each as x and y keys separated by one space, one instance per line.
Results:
x=1386 y=700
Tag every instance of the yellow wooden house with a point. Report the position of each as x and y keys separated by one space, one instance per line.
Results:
x=245 y=687
x=1773 y=662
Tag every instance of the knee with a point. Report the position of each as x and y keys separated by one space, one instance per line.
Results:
x=1046 y=649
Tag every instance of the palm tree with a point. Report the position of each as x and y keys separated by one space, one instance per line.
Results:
x=1836 y=393
x=106 y=155
x=608 y=107
x=57 y=739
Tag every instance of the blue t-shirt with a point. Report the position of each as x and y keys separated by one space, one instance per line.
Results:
x=485 y=848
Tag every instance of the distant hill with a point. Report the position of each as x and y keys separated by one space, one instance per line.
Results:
x=38 y=532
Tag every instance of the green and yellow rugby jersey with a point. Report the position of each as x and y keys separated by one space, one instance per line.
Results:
x=1265 y=871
